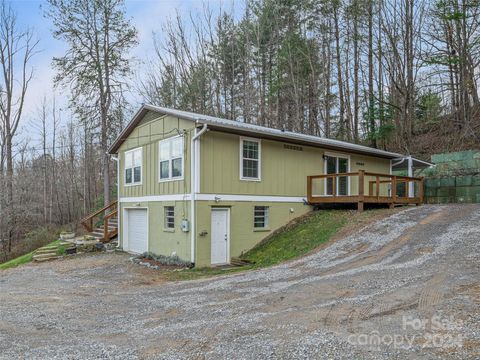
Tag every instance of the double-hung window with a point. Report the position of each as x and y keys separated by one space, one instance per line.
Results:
x=133 y=167
x=250 y=151
x=260 y=217
x=171 y=158
x=169 y=217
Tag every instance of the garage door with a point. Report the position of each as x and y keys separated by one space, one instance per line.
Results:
x=137 y=230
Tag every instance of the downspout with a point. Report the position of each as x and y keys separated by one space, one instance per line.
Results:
x=193 y=181
x=116 y=159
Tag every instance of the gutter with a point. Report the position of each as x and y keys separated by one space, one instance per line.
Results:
x=194 y=178
x=117 y=160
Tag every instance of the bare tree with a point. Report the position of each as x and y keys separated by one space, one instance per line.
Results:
x=16 y=50
x=96 y=64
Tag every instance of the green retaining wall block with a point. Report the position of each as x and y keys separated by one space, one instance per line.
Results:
x=463 y=180
x=462 y=191
x=447 y=181
x=446 y=199
x=476 y=180
x=464 y=199
x=446 y=192
x=472 y=164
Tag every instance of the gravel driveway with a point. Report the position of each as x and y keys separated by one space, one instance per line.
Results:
x=405 y=287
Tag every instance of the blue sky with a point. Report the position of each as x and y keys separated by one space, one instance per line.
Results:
x=147 y=16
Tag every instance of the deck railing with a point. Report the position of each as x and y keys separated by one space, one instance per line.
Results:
x=364 y=187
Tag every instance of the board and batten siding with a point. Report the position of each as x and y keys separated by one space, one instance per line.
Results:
x=147 y=135
x=284 y=170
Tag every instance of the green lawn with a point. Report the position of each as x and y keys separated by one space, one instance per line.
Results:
x=24 y=259
x=304 y=237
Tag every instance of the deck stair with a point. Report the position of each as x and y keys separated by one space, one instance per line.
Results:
x=103 y=223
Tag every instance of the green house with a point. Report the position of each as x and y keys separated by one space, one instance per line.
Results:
x=207 y=189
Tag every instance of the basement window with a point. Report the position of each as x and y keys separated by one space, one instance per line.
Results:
x=169 y=217
x=250 y=151
x=171 y=159
x=133 y=167
x=260 y=217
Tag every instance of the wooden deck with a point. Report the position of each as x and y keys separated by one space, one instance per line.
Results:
x=364 y=187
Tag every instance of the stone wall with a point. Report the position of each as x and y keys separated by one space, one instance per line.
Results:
x=454 y=179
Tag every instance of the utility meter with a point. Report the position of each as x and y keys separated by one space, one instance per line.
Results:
x=185 y=225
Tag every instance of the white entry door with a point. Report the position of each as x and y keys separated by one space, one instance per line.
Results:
x=137 y=230
x=220 y=236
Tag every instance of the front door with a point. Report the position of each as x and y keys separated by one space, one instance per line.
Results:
x=337 y=165
x=220 y=236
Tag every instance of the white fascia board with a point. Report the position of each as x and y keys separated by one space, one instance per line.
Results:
x=214 y=197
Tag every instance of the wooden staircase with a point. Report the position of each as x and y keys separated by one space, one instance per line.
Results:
x=105 y=228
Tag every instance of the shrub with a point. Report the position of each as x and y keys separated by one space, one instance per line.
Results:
x=61 y=250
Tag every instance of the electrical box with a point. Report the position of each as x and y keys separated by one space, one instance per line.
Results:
x=185 y=225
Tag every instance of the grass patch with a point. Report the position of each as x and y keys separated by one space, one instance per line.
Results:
x=24 y=259
x=305 y=236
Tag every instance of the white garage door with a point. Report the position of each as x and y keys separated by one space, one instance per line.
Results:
x=137 y=230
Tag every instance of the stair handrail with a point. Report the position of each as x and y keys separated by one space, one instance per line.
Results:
x=87 y=221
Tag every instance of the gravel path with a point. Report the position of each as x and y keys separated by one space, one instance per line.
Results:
x=405 y=287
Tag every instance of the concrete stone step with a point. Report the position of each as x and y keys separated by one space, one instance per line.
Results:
x=45 y=257
x=63 y=243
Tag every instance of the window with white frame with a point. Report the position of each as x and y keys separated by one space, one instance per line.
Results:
x=250 y=159
x=260 y=217
x=169 y=217
x=133 y=167
x=171 y=158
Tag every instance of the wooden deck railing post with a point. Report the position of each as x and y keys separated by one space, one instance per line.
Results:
x=377 y=190
x=105 y=228
x=361 y=189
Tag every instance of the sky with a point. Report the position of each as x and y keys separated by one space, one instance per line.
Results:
x=147 y=16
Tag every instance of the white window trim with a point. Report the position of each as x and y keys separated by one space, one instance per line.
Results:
x=337 y=155
x=266 y=218
x=165 y=227
x=259 y=178
x=170 y=167
x=125 y=168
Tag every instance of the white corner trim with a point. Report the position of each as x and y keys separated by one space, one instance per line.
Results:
x=213 y=197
